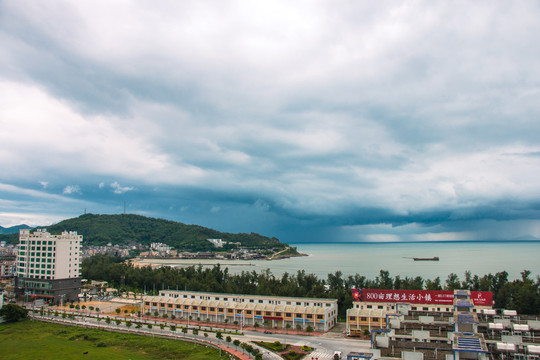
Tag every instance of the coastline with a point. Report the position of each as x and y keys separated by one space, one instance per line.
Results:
x=184 y=262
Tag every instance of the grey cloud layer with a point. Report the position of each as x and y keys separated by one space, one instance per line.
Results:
x=332 y=115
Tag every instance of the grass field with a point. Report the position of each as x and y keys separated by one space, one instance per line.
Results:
x=39 y=340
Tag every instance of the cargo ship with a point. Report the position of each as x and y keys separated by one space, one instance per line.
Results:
x=435 y=258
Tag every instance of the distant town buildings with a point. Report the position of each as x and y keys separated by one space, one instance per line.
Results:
x=161 y=248
x=48 y=266
x=7 y=267
x=217 y=242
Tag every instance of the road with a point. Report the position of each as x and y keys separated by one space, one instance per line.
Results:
x=324 y=346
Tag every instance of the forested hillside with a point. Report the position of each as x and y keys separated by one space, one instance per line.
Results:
x=127 y=228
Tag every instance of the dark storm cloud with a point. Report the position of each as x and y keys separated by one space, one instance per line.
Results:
x=317 y=121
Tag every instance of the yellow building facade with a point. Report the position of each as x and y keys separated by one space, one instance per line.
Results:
x=245 y=310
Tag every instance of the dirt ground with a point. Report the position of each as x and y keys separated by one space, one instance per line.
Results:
x=104 y=307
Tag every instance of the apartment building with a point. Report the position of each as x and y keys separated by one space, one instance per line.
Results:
x=247 y=310
x=48 y=266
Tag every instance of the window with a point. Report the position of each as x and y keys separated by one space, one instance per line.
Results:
x=298 y=315
x=319 y=317
x=257 y=313
x=268 y=313
x=352 y=318
x=220 y=309
x=260 y=301
x=230 y=311
x=203 y=308
x=169 y=305
x=375 y=319
x=309 y=316
x=195 y=307
x=212 y=309
x=363 y=319
x=248 y=312
x=379 y=307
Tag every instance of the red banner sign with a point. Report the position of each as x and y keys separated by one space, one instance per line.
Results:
x=480 y=298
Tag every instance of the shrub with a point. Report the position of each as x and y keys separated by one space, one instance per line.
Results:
x=13 y=313
x=149 y=326
x=101 y=344
x=309 y=329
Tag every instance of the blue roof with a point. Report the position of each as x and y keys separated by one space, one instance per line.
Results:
x=469 y=343
x=465 y=319
x=464 y=303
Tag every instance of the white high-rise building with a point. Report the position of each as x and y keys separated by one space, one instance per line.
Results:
x=49 y=266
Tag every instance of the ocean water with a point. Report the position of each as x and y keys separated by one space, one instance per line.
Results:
x=368 y=259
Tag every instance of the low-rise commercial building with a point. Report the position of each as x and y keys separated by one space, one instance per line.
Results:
x=375 y=308
x=247 y=310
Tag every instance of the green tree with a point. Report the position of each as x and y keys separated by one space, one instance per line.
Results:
x=13 y=313
x=452 y=282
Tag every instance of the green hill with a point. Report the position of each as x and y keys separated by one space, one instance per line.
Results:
x=127 y=229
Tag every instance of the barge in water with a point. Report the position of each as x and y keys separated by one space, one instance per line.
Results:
x=435 y=258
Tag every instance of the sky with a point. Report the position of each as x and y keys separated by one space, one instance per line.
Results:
x=305 y=120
